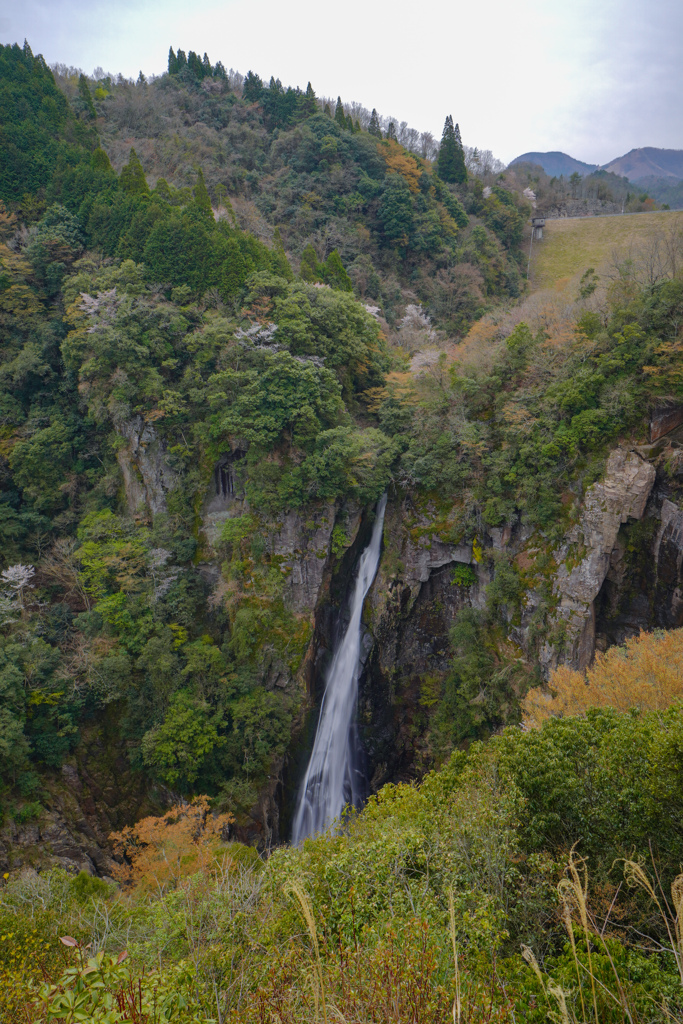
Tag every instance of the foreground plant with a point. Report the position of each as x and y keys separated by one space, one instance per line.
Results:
x=104 y=989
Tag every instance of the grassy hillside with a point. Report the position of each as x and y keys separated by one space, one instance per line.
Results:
x=572 y=245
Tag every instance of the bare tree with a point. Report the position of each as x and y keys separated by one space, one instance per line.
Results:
x=482 y=163
x=428 y=146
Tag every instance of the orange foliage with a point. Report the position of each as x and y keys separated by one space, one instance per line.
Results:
x=160 y=850
x=646 y=674
x=400 y=162
x=398 y=386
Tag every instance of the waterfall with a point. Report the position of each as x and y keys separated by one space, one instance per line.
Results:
x=330 y=780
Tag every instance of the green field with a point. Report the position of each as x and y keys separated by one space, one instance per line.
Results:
x=572 y=245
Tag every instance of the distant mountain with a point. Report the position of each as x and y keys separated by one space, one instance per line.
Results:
x=555 y=164
x=647 y=162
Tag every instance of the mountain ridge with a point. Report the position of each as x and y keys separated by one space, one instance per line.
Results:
x=637 y=164
x=555 y=163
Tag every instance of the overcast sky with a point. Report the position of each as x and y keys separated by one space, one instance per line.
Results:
x=594 y=78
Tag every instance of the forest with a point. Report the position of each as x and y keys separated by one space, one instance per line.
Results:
x=233 y=315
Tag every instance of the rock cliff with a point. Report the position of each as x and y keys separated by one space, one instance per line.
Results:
x=618 y=569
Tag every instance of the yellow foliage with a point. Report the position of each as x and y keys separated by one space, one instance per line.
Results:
x=398 y=386
x=646 y=674
x=27 y=952
x=16 y=298
x=400 y=162
x=160 y=850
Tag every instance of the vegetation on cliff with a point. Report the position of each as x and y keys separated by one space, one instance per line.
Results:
x=288 y=306
x=129 y=309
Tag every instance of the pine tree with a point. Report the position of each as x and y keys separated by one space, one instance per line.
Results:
x=195 y=65
x=219 y=70
x=181 y=60
x=339 y=115
x=374 y=126
x=172 y=62
x=309 y=269
x=100 y=161
x=462 y=169
x=206 y=66
x=349 y=123
x=309 y=104
x=391 y=131
x=252 y=88
x=451 y=158
x=84 y=93
x=327 y=111
x=334 y=273
x=202 y=200
x=132 y=178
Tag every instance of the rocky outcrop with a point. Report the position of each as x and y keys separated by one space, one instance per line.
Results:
x=665 y=419
x=147 y=476
x=581 y=208
x=302 y=548
x=94 y=794
x=668 y=558
x=584 y=558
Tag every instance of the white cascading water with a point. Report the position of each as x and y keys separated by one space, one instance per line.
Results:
x=329 y=783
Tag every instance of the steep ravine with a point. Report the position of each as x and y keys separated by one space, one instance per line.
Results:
x=618 y=569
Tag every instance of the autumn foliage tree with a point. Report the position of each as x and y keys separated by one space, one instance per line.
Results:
x=647 y=674
x=159 y=851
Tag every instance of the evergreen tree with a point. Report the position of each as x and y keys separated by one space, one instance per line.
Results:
x=88 y=108
x=172 y=62
x=202 y=200
x=339 y=115
x=132 y=178
x=462 y=169
x=391 y=131
x=309 y=104
x=395 y=211
x=141 y=79
x=349 y=123
x=356 y=125
x=100 y=161
x=335 y=274
x=374 y=126
x=206 y=66
x=327 y=110
x=219 y=70
x=195 y=65
x=252 y=88
x=181 y=60
x=162 y=190
x=310 y=270
x=451 y=158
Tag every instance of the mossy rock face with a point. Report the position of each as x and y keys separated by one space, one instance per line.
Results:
x=95 y=793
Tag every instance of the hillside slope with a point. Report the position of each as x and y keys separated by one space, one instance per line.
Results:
x=571 y=245
x=648 y=162
x=207 y=382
